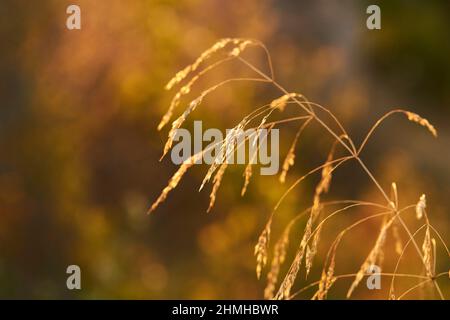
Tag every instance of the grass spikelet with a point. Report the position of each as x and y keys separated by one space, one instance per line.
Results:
x=290 y=157
x=433 y=242
x=261 y=249
x=279 y=256
x=372 y=257
x=168 y=115
x=288 y=162
x=248 y=169
x=281 y=102
x=176 y=101
x=394 y=194
x=414 y=117
x=247 y=175
x=316 y=207
x=181 y=119
x=324 y=184
x=178 y=122
x=216 y=184
x=311 y=251
x=226 y=149
x=427 y=252
x=286 y=286
x=395 y=232
x=398 y=239
x=239 y=46
x=173 y=182
x=181 y=75
x=420 y=207
x=326 y=281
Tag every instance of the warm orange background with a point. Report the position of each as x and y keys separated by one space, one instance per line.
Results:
x=79 y=147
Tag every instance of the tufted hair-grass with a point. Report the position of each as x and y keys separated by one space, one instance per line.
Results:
x=318 y=214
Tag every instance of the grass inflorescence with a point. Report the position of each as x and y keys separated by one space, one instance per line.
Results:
x=317 y=215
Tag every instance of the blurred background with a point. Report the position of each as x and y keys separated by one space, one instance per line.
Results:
x=79 y=148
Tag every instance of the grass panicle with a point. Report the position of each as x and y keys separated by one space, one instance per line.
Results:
x=229 y=49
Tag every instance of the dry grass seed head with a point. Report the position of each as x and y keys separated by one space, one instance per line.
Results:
x=325 y=284
x=327 y=279
x=311 y=251
x=247 y=175
x=414 y=117
x=279 y=256
x=176 y=101
x=290 y=157
x=427 y=252
x=394 y=195
x=288 y=162
x=286 y=286
x=261 y=249
x=216 y=184
x=173 y=182
x=281 y=102
x=239 y=46
x=372 y=257
x=433 y=242
x=180 y=120
x=248 y=169
x=420 y=206
x=323 y=186
x=226 y=149
x=397 y=238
